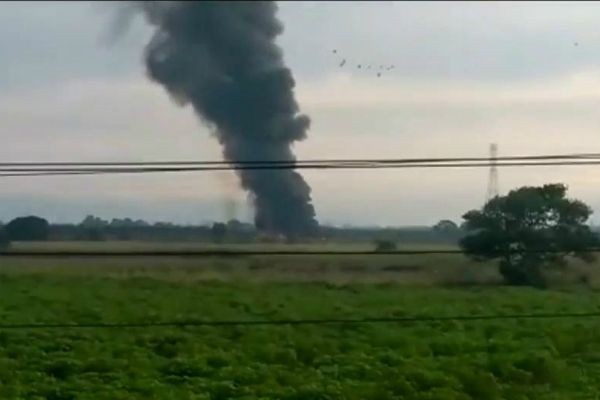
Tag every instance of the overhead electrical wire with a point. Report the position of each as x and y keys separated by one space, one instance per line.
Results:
x=300 y=162
x=17 y=169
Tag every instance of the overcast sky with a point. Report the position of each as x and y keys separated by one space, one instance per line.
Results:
x=523 y=75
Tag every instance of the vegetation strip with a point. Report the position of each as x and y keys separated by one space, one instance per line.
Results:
x=264 y=253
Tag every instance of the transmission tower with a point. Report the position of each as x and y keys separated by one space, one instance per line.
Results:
x=492 y=189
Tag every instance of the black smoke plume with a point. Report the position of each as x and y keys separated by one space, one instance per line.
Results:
x=221 y=58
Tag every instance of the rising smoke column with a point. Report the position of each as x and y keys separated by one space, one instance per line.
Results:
x=221 y=58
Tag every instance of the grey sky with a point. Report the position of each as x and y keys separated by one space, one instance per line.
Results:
x=467 y=74
x=447 y=40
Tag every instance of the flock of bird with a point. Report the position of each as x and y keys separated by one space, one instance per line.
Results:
x=381 y=69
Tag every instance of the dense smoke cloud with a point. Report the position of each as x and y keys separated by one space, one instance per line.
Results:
x=221 y=58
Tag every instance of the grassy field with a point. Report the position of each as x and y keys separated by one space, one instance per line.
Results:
x=504 y=359
x=424 y=269
x=421 y=270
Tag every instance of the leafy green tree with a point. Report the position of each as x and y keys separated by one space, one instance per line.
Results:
x=528 y=230
x=27 y=228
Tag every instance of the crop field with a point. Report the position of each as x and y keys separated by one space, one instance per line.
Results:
x=491 y=359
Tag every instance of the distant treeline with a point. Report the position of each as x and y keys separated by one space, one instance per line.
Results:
x=93 y=228
x=96 y=229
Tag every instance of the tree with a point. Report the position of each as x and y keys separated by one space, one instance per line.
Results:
x=446 y=226
x=92 y=228
x=4 y=240
x=528 y=230
x=27 y=228
x=447 y=229
x=218 y=232
x=93 y=222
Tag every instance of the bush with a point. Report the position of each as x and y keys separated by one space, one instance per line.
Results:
x=522 y=274
x=385 y=245
x=62 y=369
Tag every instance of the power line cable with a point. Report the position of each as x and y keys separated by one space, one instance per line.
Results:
x=300 y=162
x=17 y=169
x=19 y=172
x=297 y=322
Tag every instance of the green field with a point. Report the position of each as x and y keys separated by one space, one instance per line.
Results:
x=503 y=359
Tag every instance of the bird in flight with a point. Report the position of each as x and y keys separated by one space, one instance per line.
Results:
x=343 y=62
